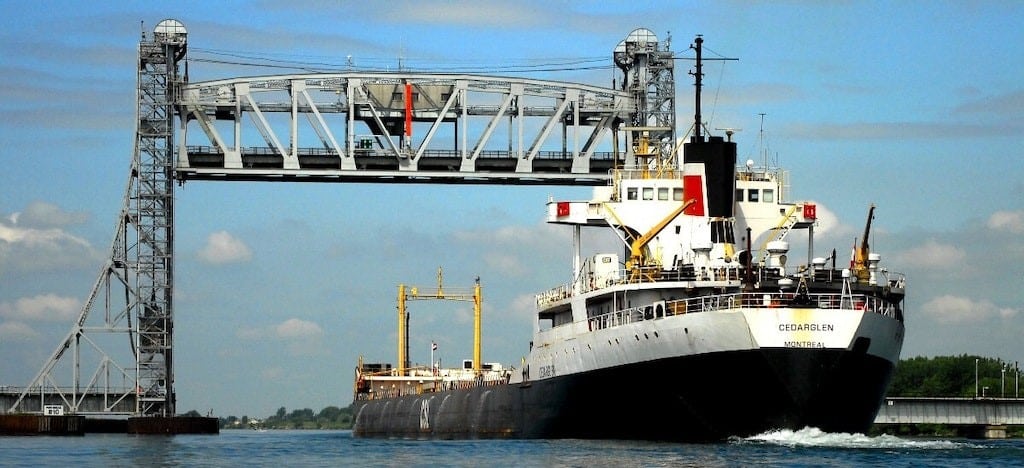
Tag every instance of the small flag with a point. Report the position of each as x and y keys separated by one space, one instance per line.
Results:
x=433 y=346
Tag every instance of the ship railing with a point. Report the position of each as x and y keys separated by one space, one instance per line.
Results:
x=713 y=274
x=654 y=274
x=644 y=172
x=737 y=301
x=553 y=295
x=433 y=385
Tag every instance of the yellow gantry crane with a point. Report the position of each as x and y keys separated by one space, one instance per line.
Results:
x=413 y=293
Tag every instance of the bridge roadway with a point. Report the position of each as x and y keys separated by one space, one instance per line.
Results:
x=986 y=416
x=403 y=127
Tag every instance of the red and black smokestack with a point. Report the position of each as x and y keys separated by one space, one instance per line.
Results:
x=717 y=155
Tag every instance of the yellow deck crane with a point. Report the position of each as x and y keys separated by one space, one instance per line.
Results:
x=638 y=257
x=860 y=254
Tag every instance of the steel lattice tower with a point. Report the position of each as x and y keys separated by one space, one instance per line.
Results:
x=151 y=211
x=648 y=75
x=133 y=294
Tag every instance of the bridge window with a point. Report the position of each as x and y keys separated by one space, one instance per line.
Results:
x=399 y=96
x=663 y=193
x=677 y=194
x=648 y=193
x=768 y=196
x=631 y=193
x=739 y=195
x=752 y=195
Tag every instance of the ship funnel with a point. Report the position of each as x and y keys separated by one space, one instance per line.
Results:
x=717 y=155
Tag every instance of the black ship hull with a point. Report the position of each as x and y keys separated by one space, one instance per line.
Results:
x=704 y=397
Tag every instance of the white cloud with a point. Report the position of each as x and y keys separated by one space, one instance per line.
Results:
x=508 y=234
x=959 y=309
x=45 y=307
x=297 y=329
x=298 y=337
x=505 y=249
x=221 y=248
x=302 y=337
x=827 y=222
x=1012 y=221
x=33 y=241
x=45 y=215
x=291 y=329
x=932 y=255
x=16 y=331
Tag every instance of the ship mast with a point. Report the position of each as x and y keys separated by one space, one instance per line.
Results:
x=697 y=75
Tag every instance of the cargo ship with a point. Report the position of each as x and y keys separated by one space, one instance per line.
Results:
x=697 y=329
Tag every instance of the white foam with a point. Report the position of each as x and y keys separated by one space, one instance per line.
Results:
x=814 y=437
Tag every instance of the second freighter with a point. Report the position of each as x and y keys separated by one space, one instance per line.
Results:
x=699 y=330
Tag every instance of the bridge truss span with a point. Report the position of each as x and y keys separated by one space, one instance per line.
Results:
x=401 y=127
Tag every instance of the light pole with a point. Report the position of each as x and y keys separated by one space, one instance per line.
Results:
x=433 y=365
x=975 y=378
x=1002 y=383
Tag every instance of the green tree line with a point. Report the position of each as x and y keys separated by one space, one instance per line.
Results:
x=331 y=417
x=954 y=376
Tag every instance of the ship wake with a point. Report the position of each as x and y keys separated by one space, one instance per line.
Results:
x=814 y=437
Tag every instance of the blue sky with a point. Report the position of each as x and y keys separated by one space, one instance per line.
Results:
x=915 y=106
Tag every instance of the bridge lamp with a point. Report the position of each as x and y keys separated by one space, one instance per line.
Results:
x=1002 y=383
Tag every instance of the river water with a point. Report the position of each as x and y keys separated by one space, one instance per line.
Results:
x=807 y=447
